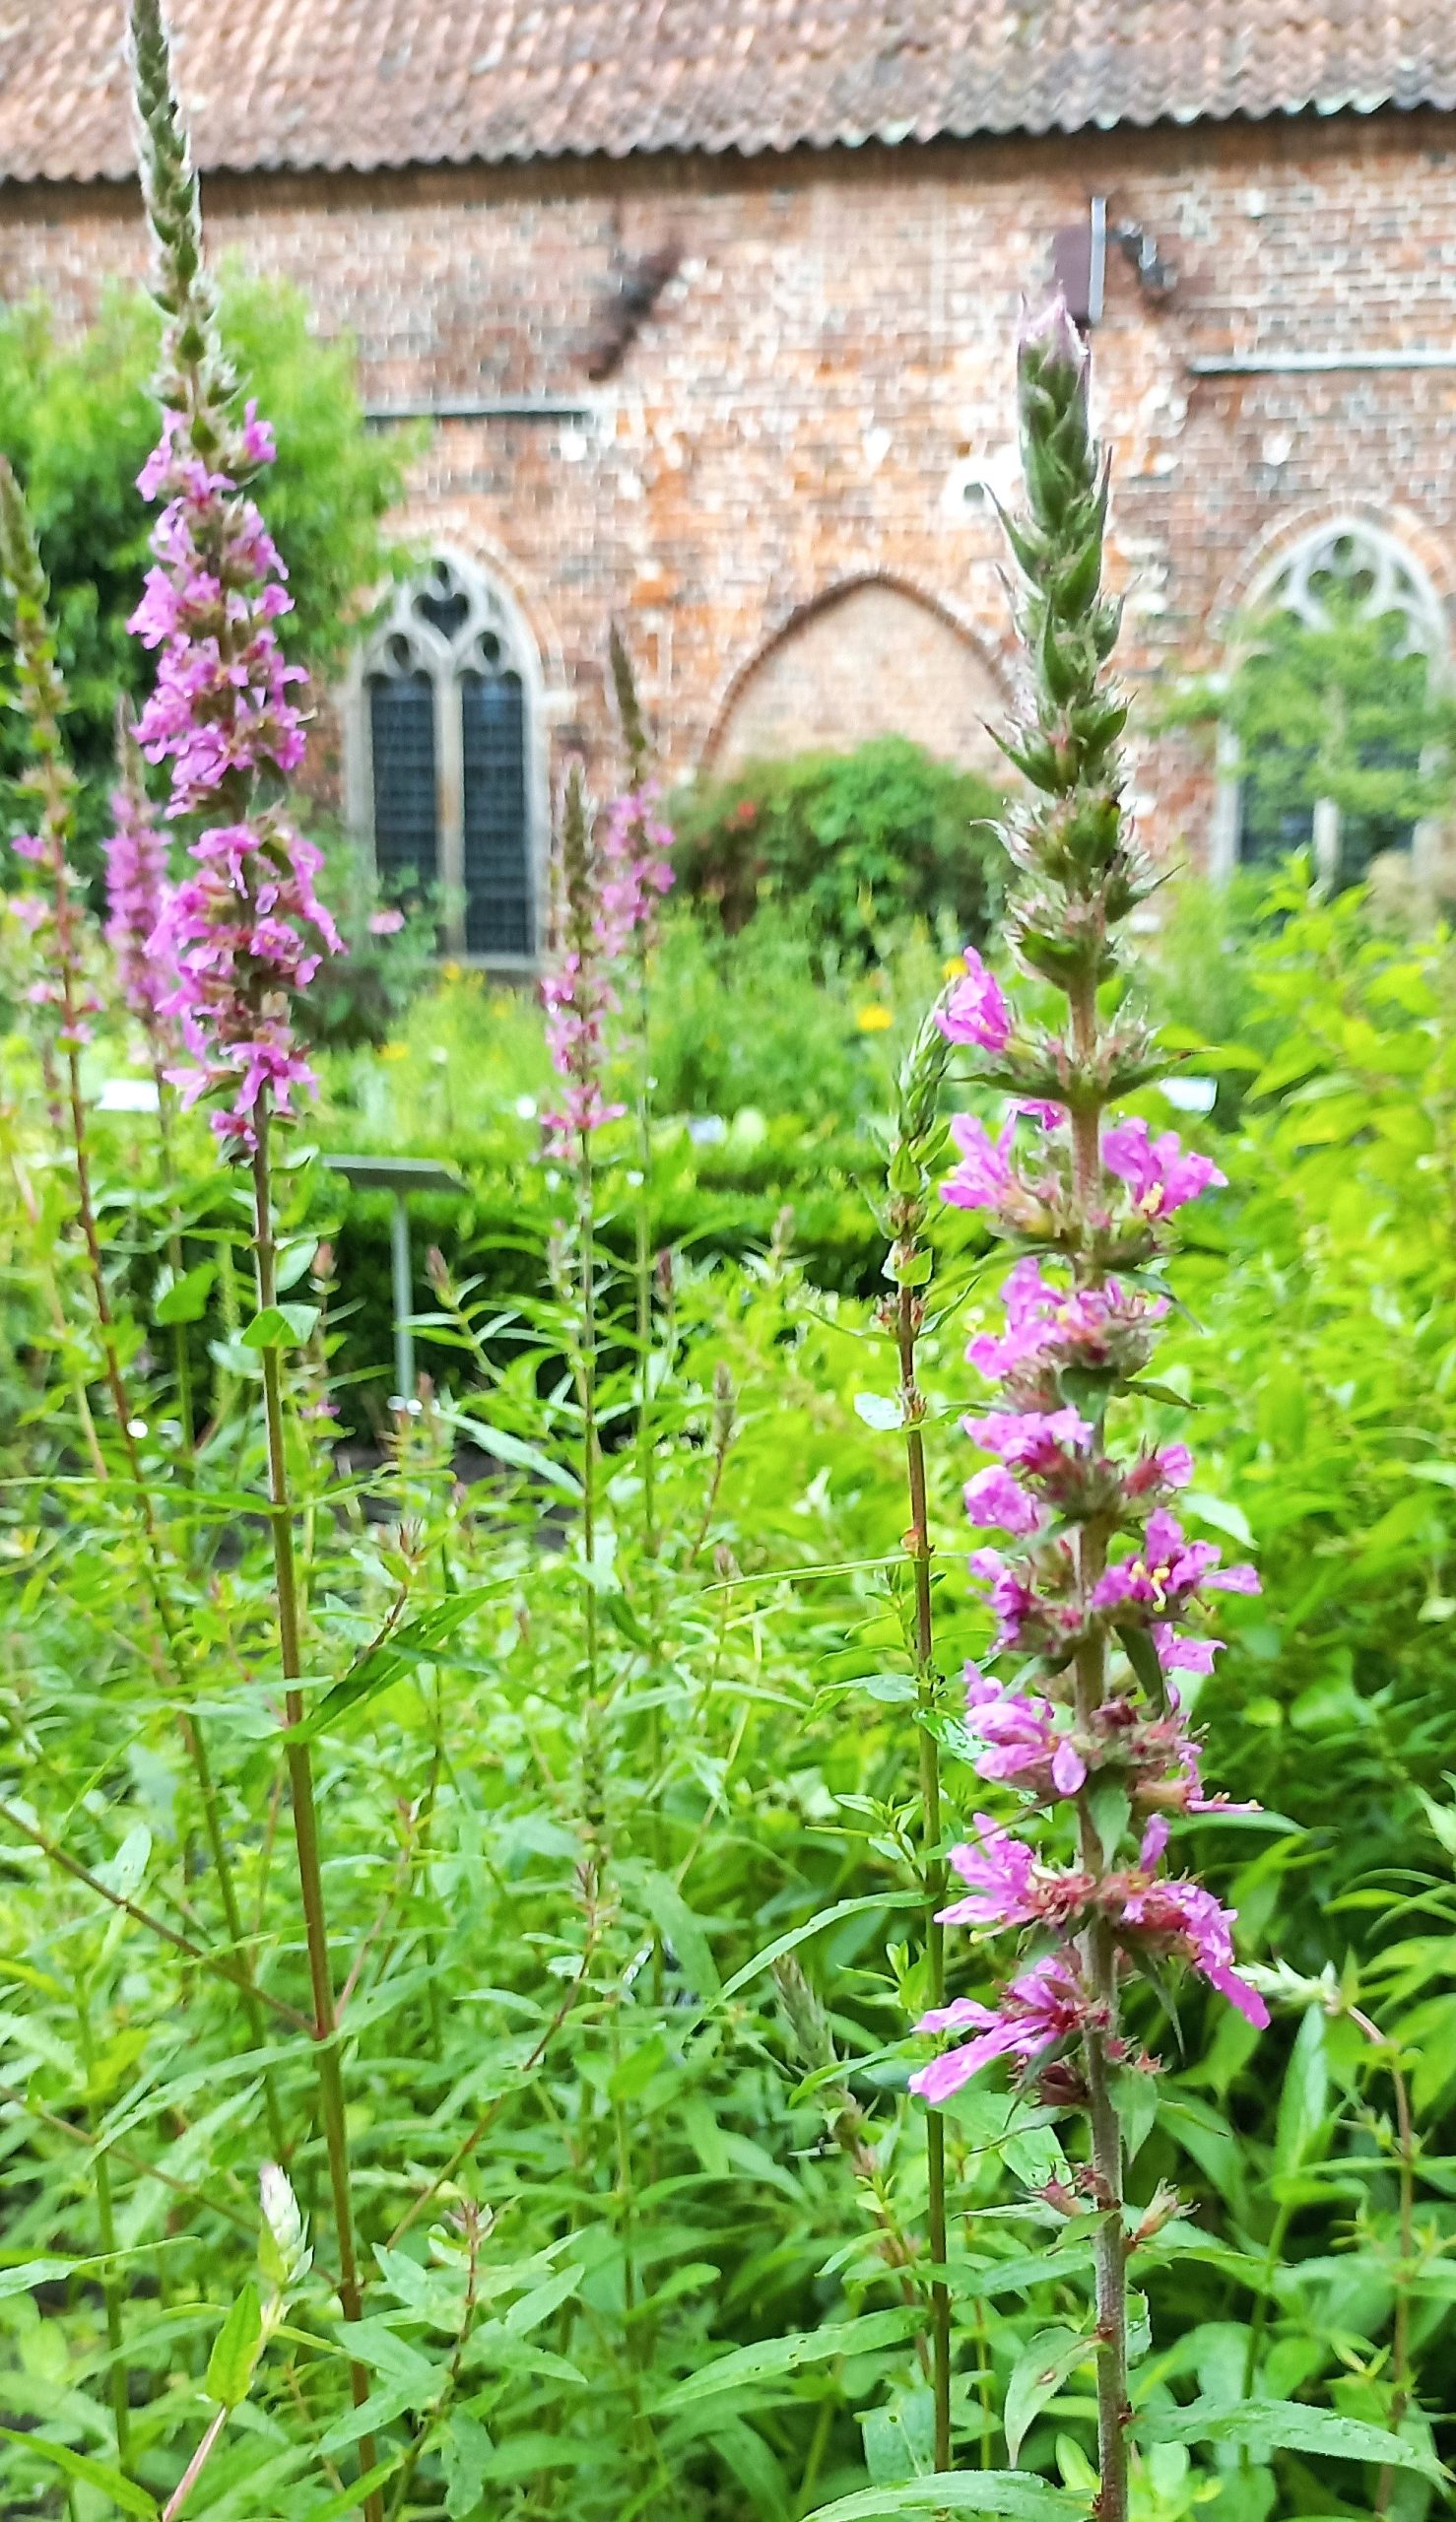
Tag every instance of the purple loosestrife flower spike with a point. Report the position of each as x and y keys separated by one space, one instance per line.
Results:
x=1097 y=1583
x=245 y=932
x=62 y=990
x=579 y=993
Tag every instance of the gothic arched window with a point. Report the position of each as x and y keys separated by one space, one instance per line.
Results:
x=1334 y=705
x=447 y=786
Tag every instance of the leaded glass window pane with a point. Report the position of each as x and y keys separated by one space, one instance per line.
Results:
x=406 y=795
x=498 y=908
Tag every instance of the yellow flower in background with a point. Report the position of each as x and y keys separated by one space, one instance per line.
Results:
x=452 y=971
x=955 y=967
x=394 y=1050
x=874 y=1018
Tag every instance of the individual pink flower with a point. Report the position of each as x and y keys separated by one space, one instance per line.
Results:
x=1168 y=1570
x=975 y=1010
x=1170 y=1467
x=387 y=922
x=1029 y=1441
x=1161 y=1174
x=993 y=1500
x=983 y=1176
x=1019 y=1744
x=1045 y=2005
x=1184 y=1922
x=1000 y=1871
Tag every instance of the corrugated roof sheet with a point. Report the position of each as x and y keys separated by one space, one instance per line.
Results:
x=386 y=83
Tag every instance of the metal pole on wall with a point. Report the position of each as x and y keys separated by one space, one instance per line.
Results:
x=399 y=1175
x=404 y=1302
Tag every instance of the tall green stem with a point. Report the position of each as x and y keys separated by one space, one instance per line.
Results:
x=1099 y=1948
x=586 y=1386
x=181 y=1356
x=193 y=1739
x=932 y=1861
x=1400 y=2342
x=300 y=1784
x=106 y=2232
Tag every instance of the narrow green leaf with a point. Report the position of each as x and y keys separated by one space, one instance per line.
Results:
x=126 y=2497
x=676 y=1924
x=267 y=1330
x=1305 y=2094
x=1268 y=2425
x=783 y=1944
x=1037 y=2377
x=514 y=1450
x=235 y=2350
x=187 y=1298
x=774 y=2358
x=345 y=2504
x=1008 y=2492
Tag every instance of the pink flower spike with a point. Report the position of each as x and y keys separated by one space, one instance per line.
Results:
x=975 y=1010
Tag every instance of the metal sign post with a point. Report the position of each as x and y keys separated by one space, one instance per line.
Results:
x=399 y=1175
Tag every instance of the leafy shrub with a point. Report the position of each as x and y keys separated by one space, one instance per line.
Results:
x=859 y=840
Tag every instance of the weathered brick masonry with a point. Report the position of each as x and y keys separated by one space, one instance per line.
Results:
x=821 y=395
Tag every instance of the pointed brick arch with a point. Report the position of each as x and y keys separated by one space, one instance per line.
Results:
x=870 y=656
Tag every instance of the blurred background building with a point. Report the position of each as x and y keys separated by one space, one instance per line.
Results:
x=713 y=305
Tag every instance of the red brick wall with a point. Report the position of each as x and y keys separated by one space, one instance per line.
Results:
x=822 y=390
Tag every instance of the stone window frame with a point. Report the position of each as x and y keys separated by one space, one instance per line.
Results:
x=1402 y=584
x=493 y=613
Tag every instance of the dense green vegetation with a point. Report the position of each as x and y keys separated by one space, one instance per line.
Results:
x=557 y=1883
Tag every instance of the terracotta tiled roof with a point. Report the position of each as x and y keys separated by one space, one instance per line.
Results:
x=377 y=83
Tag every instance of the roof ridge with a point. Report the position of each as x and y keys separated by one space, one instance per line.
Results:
x=371 y=84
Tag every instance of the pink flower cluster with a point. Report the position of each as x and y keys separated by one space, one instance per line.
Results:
x=1020 y=1743
x=138 y=897
x=1062 y=1350
x=1166 y=1917
x=636 y=846
x=1160 y=1174
x=1051 y=1329
x=61 y=989
x=625 y=873
x=246 y=932
x=578 y=997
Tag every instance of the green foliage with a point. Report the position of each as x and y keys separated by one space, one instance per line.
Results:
x=77 y=421
x=856 y=841
x=1341 y=711
x=662 y=2277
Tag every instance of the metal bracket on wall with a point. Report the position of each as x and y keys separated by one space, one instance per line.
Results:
x=484 y=407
